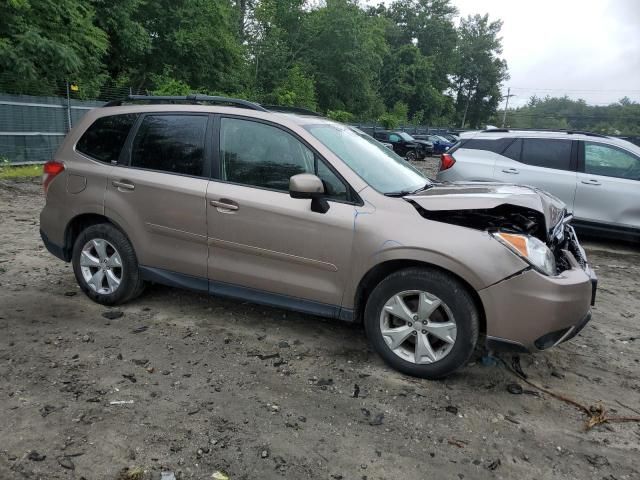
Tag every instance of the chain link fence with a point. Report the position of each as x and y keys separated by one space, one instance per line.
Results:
x=33 y=125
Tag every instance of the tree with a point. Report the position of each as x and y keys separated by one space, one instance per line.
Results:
x=345 y=49
x=128 y=39
x=479 y=71
x=37 y=55
x=196 y=40
x=296 y=90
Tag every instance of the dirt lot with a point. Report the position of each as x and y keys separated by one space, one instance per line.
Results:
x=214 y=385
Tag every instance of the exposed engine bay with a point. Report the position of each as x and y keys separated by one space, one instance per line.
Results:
x=520 y=220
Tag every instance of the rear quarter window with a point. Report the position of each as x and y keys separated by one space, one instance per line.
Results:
x=548 y=153
x=104 y=139
x=496 y=146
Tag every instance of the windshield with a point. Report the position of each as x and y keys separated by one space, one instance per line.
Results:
x=406 y=137
x=373 y=162
x=443 y=139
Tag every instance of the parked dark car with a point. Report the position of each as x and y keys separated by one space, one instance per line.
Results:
x=440 y=144
x=404 y=144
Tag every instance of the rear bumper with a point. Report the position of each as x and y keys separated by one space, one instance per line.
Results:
x=533 y=312
x=53 y=248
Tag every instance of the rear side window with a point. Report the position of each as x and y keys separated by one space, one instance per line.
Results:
x=171 y=143
x=496 y=146
x=548 y=153
x=105 y=138
x=513 y=151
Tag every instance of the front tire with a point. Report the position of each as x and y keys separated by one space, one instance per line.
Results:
x=105 y=265
x=422 y=322
x=411 y=156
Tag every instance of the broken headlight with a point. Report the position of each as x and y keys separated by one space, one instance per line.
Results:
x=534 y=251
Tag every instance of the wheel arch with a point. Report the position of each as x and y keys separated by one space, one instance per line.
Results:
x=382 y=270
x=79 y=223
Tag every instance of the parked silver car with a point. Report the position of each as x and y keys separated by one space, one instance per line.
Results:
x=596 y=176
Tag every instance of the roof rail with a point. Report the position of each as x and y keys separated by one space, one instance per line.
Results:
x=560 y=130
x=286 y=109
x=192 y=99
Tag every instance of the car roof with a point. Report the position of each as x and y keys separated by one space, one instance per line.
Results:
x=297 y=118
x=497 y=134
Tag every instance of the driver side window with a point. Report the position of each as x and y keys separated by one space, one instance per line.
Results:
x=261 y=155
x=609 y=161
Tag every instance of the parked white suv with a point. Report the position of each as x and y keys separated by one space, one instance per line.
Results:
x=596 y=176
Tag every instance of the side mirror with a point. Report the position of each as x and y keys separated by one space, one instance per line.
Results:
x=307 y=185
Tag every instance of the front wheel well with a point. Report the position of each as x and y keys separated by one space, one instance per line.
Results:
x=378 y=273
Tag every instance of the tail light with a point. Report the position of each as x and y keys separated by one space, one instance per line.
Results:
x=49 y=172
x=446 y=161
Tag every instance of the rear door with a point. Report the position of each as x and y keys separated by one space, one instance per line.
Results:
x=156 y=193
x=608 y=185
x=546 y=163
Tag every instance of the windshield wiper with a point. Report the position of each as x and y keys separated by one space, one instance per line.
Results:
x=402 y=193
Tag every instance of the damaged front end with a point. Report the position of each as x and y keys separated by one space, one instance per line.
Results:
x=530 y=222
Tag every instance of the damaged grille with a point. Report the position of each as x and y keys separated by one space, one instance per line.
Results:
x=568 y=242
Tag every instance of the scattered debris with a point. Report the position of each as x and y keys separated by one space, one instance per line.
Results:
x=112 y=314
x=130 y=376
x=35 y=456
x=70 y=294
x=494 y=465
x=140 y=329
x=121 y=402
x=377 y=420
x=264 y=454
x=167 y=476
x=65 y=462
x=356 y=391
x=457 y=443
x=597 y=460
x=452 y=409
x=218 y=475
x=47 y=409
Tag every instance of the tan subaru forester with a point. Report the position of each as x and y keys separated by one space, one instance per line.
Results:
x=286 y=208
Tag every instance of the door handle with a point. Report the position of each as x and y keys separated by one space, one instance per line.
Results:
x=512 y=171
x=123 y=184
x=591 y=182
x=224 y=204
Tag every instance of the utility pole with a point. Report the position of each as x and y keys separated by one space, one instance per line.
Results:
x=504 y=115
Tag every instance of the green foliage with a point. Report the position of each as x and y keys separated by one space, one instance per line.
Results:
x=389 y=121
x=296 y=90
x=165 y=84
x=21 y=171
x=340 y=116
x=479 y=71
x=44 y=43
x=621 y=118
x=396 y=62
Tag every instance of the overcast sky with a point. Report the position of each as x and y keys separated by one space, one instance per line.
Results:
x=586 y=49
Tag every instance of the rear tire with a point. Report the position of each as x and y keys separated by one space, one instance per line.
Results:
x=431 y=331
x=105 y=265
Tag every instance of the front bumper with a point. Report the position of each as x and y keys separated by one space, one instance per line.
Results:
x=532 y=312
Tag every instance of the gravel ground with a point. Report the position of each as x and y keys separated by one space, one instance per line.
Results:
x=209 y=385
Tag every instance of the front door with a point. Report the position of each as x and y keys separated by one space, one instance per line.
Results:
x=265 y=245
x=608 y=186
x=158 y=195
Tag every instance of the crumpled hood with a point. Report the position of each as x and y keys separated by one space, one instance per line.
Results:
x=424 y=142
x=481 y=196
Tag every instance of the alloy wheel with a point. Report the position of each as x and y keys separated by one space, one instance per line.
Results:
x=418 y=326
x=101 y=266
